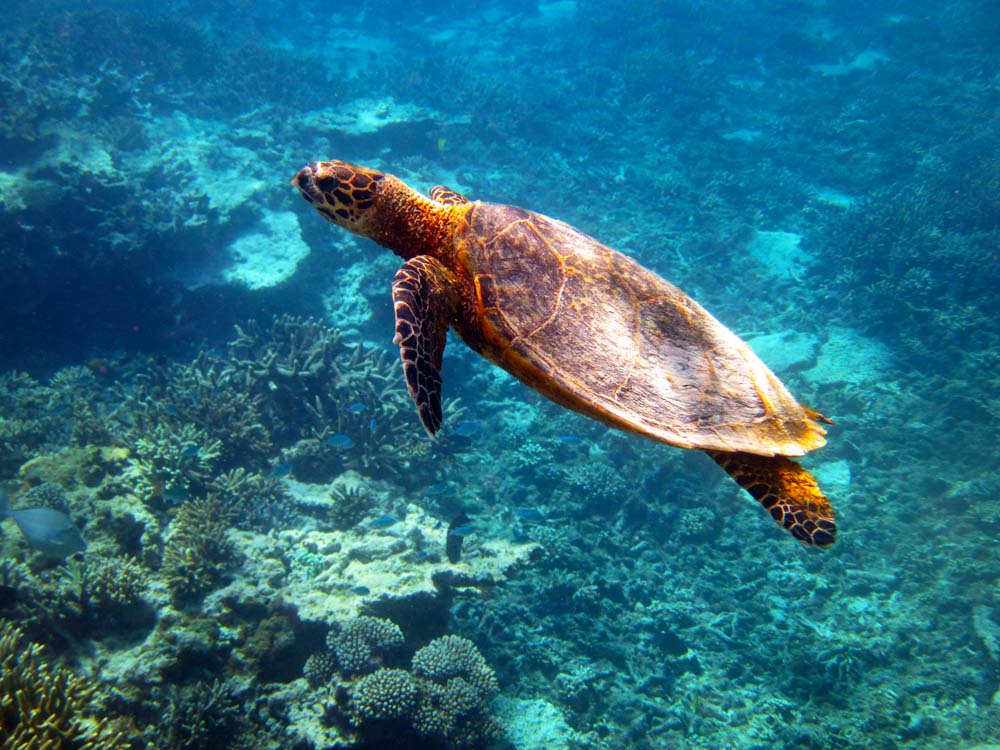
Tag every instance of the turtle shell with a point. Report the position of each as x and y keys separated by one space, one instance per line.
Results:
x=598 y=333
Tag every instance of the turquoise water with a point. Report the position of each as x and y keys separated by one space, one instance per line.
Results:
x=198 y=375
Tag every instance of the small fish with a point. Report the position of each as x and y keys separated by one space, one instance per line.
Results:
x=340 y=442
x=280 y=471
x=453 y=540
x=569 y=439
x=528 y=514
x=356 y=408
x=462 y=530
x=190 y=451
x=176 y=494
x=360 y=590
x=372 y=424
x=465 y=429
x=383 y=522
x=170 y=409
x=47 y=530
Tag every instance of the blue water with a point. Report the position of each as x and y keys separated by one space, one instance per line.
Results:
x=199 y=373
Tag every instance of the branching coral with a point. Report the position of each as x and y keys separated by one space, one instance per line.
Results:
x=205 y=396
x=170 y=461
x=255 y=501
x=320 y=668
x=313 y=385
x=45 y=707
x=200 y=716
x=26 y=422
x=104 y=586
x=361 y=644
x=444 y=698
x=452 y=656
x=197 y=554
x=385 y=694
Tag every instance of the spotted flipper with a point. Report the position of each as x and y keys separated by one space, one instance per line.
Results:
x=424 y=299
x=447 y=196
x=787 y=491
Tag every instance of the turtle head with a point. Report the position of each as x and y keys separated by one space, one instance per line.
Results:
x=378 y=206
x=343 y=193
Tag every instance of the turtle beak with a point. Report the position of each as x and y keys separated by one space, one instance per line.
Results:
x=305 y=181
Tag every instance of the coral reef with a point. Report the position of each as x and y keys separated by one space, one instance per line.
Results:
x=442 y=701
x=244 y=501
x=458 y=687
x=385 y=694
x=361 y=644
x=198 y=555
x=255 y=501
x=46 y=707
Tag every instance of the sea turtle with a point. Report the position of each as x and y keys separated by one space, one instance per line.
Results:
x=582 y=324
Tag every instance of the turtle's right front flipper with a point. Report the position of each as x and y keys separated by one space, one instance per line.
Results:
x=787 y=491
x=423 y=295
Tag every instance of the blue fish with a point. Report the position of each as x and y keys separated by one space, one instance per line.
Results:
x=528 y=514
x=462 y=530
x=372 y=424
x=47 y=530
x=465 y=429
x=356 y=408
x=360 y=590
x=569 y=439
x=190 y=451
x=383 y=522
x=280 y=471
x=340 y=442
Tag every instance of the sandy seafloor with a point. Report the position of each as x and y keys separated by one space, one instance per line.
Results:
x=197 y=374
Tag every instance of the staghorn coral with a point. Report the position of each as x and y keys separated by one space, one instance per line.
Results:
x=169 y=461
x=199 y=716
x=313 y=385
x=209 y=394
x=105 y=586
x=255 y=501
x=26 y=422
x=46 y=707
x=362 y=644
x=197 y=554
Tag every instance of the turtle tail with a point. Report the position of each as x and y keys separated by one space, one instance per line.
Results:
x=787 y=491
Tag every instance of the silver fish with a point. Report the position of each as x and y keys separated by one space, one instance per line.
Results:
x=49 y=531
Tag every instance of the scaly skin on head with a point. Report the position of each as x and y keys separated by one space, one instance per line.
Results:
x=379 y=206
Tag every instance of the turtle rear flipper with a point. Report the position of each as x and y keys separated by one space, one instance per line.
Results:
x=787 y=491
x=424 y=300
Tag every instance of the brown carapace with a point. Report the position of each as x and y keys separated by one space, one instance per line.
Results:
x=584 y=325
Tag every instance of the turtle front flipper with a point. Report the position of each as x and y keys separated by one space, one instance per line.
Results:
x=787 y=491
x=423 y=295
